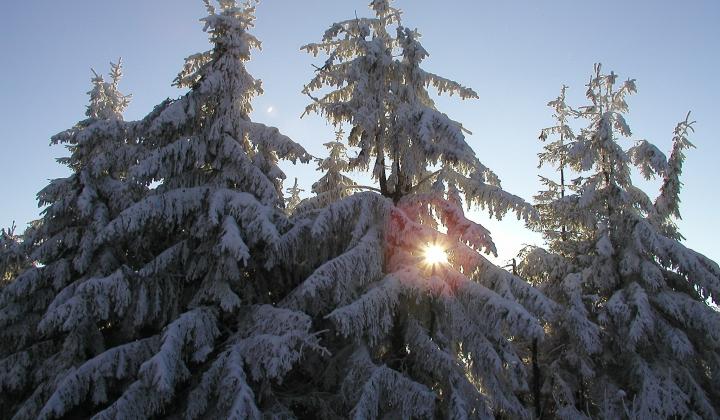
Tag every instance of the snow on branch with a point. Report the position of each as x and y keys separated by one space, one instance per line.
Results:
x=225 y=380
x=668 y=201
x=169 y=209
x=649 y=159
x=357 y=267
x=192 y=336
x=372 y=313
x=446 y=364
x=93 y=379
x=271 y=139
x=701 y=272
x=254 y=218
x=495 y=311
x=192 y=333
x=99 y=299
x=480 y=191
x=274 y=339
x=366 y=207
x=379 y=387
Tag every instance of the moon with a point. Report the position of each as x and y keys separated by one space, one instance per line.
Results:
x=270 y=109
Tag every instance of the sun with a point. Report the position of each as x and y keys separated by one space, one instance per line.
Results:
x=435 y=254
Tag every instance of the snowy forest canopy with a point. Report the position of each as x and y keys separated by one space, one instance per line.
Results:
x=176 y=273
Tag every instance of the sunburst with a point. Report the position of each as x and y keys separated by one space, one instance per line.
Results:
x=435 y=254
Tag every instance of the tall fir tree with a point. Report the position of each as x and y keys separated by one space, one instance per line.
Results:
x=37 y=352
x=178 y=322
x=411 y=334
x=566 y=355
x=555 y=153
x=637 y=335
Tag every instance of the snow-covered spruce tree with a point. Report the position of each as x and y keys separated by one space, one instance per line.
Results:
x=13 y=256
x=292 y=201
x=637 y=337
x=334 y=185
x=178 y=327
x=565 y=357
x=409 y=338
x=555 y=154
x=64 y=243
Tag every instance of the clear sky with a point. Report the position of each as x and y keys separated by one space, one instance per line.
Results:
x=515 y=54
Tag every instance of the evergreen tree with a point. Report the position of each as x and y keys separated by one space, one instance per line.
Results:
x=34 y=355
x=566 y=355
x=176 y=321
x=165 y=278
x=637 y=337
x=334 y=185
x=555 y=153
x=294 y=199
x=13 y=258
x=420 y=323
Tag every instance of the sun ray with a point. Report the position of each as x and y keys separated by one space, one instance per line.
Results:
x=435 y=254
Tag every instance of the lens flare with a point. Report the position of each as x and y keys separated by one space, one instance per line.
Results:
x=435 y=254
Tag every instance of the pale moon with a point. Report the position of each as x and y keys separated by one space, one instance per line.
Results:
x=270 y=109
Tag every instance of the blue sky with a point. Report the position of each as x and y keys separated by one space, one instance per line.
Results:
x=515 y=54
